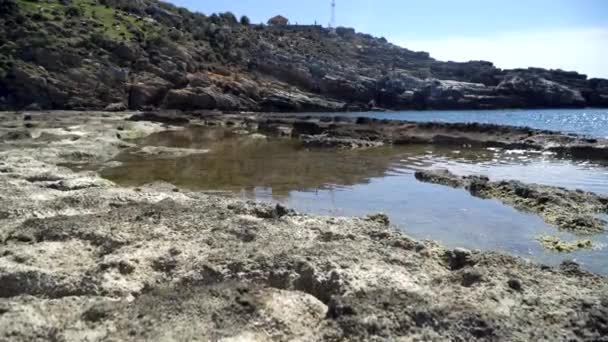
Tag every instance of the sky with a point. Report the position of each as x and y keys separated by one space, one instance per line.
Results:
x=565 y=34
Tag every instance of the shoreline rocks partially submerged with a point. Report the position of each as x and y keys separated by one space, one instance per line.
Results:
x=556 y=244
x=571 y=210
x=363 y=132
x=84 y=259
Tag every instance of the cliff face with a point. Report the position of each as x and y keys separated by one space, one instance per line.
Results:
x=115 y=54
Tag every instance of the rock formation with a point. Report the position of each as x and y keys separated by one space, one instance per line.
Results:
x=144 y=54
x=84 y=259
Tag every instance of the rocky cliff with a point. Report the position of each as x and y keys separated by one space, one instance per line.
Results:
x=137 y=54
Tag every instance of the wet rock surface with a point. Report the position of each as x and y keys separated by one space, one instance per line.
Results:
x=104 y=262
x=168 y=152
x=556 y=244
x=572 y=210
x=346 y=132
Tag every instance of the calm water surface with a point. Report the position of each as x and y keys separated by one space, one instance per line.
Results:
x=357 y=183
x=592 y=122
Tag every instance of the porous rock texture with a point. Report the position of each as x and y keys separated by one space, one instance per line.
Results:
x=84 y=259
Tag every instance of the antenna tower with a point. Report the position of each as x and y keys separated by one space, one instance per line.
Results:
x=332 y=23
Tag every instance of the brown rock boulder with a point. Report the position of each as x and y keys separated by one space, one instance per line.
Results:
x=190 y=98
x=147 y=90
x=127 y=52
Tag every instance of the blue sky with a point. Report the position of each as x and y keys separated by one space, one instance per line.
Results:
x=567 y=34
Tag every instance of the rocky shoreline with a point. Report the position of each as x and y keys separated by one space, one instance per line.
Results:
x=364 y=132
x=571 y=210
x=82 y=258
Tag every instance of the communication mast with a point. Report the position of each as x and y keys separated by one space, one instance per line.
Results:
x=332 y=23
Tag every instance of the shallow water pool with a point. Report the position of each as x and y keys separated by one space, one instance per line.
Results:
x=361 y=182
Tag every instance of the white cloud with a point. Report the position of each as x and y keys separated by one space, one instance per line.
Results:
x=584 y=50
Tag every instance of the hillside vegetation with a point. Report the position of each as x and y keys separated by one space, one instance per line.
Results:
x=138 y=54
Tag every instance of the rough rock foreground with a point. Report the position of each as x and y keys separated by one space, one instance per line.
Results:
x=84 y=259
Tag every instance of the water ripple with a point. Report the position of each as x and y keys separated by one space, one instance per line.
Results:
x=591 y=122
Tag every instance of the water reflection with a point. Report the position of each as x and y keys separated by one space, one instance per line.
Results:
x=240 y=162
x=587 y=121
x=498 y=164
x=360 y=182
x=244 y=163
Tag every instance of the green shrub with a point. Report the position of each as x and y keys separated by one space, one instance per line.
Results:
x=229 y=17
x=175 y=35
x=245 y=20
x=38 y=17
x=199 y=33
x=7 y=49
x=40 y=39
x=130 y=6
x=73 y=11
x=158 y=39
x=214 y=18
x=8 y=7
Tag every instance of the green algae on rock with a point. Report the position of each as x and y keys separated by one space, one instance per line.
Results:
x=556 y=244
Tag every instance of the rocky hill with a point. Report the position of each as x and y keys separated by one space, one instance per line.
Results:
x=139 y=54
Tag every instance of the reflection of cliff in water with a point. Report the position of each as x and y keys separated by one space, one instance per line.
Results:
x=245 y=163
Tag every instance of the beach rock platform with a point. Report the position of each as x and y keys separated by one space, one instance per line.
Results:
x=82 y=258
